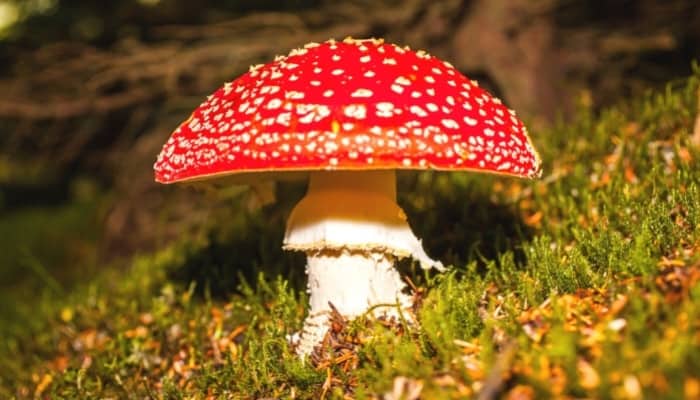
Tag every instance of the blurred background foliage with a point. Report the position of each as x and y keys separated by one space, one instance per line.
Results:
x=91 y=89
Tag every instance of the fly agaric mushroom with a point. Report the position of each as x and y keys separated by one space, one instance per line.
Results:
x=349 y=114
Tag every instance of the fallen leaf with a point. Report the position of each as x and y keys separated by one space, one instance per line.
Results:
x=691 y=388
x=521 y=392
x=633 y=389
x=405 y=389
x=43 y=385
x=617 y=324
x=588 y=376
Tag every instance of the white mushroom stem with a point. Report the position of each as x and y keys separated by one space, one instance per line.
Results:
x=352 y=230
x=353 y=283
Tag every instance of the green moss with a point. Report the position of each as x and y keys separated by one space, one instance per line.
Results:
x=582 y=284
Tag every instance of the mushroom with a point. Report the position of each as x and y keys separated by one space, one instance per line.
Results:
x=349 y=114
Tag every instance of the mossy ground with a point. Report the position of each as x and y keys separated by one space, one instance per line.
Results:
x=584 y=284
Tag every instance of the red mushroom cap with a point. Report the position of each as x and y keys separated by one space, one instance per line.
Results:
x=356 y=104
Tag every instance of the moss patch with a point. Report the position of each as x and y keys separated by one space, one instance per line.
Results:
x=582 y=284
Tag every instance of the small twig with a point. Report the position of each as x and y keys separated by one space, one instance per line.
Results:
x=327 y=383
x=215 y=349
x=494 y=381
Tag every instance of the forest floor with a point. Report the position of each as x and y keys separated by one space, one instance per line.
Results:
x=583 y=284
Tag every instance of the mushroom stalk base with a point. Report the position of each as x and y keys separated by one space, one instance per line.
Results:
x=353 y=283
x=352 y=230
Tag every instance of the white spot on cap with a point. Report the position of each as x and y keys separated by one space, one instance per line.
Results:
x=397 y=88
x=283 y=118
x=417 y=110
x=362 y=93
x=274 y=104
x=330 y=147
x=295 y=95
x=470 y=121
x=365 y=59
x=440 y=138
x=298 y=52
x=504 y=166
x=450 y=123
x=385 y=109
x=402 y=81
x=357 y=111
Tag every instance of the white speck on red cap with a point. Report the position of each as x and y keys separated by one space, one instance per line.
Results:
x=387 y=107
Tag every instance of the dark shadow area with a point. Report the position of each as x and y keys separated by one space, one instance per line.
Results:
x=249 y=244
x=16 y=195
x=639 y=44
x=460 y=223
